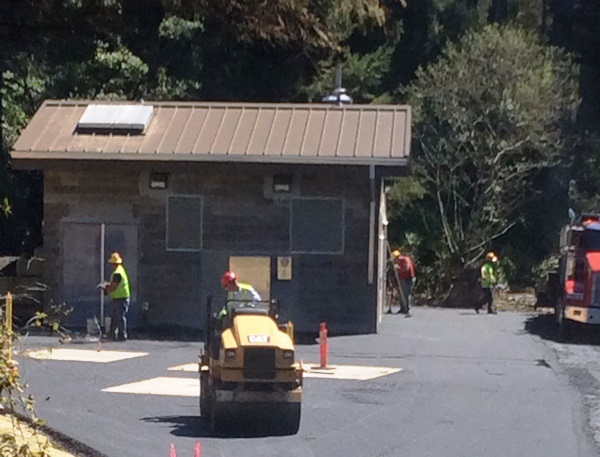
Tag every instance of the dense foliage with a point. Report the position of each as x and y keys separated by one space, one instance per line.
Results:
x=495 y=105
x=491 y=114
x=23 y=438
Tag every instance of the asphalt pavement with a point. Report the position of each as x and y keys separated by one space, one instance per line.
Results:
x=442 y=383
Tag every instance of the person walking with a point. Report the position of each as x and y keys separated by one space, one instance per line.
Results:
x=488 y=281
x=405 y=270
x=118 y=290
x=238 y=293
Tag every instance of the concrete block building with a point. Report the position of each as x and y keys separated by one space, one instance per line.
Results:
x=290 y=196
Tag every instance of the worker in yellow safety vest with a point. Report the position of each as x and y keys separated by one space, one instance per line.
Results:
x=488 y=281
x=117 y=288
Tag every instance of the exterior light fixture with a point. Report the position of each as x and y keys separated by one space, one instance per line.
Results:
x=282 y=183
x=158 y=181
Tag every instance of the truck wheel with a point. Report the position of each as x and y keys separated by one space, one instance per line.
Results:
x=290 y=419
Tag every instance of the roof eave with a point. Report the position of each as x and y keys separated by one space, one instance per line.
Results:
x=35 y=160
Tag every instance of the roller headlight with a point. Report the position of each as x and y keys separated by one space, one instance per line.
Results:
x=288 y=355
x=230 y=353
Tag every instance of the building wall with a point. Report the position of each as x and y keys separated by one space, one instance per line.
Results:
x=241 y=216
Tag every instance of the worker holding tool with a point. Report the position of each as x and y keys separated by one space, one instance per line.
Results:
x=405 y=270
x=117 y=288
x=488 y=281
x=237 y=293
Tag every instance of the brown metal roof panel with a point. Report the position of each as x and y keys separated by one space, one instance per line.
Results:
x=43 y=129
x=227 y=130
x=382 y=146
x=279 y=132
x=296 y=132
x=86 y=142
x=191 y=131
x=243 y=134
x=57 y=127
x=156 y=131
x=131 y=144
x=262 y=130
x=365 y=136
x=401 y=134
x=315 y=127
x=36 y=127
x=110 y=143
x=347 y=142
x=61 y=128
x=175 y=129
x=207 y=135
x=331 y=133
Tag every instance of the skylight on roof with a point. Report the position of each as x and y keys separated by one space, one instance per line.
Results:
x=116 y=118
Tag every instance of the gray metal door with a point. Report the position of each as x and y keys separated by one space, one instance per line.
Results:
x=86 y=248
x=122 y=238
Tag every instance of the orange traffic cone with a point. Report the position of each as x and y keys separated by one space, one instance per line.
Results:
x=197 y=449
x=172 y=453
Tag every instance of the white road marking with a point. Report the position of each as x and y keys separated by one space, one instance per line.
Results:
x=359 y=373
x=180 y=387
x=83 y=355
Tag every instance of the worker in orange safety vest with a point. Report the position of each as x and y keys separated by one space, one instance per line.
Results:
x=405 y=270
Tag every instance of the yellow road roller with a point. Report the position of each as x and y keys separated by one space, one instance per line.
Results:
x=248 y=371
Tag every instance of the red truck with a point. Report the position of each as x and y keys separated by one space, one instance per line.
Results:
x=573 y=290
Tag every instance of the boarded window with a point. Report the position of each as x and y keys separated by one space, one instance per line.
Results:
x=184 y=223
x=317 y=225
x=246 y=225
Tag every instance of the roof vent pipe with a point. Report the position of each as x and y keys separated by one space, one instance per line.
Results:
x=339 y=96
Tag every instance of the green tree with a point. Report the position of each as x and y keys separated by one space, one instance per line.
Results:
x=491 y=113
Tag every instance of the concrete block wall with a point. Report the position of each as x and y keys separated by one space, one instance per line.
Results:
x=238 y=220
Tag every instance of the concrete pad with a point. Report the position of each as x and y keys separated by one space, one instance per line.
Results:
x=179 y=387
x=188 y=367
x=358 y=373
x=83 y=355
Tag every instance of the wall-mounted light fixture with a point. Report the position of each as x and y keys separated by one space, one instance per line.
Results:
x=158 y=180
x=282 y=183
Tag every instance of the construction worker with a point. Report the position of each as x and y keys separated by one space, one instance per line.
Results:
x=405 y=271
x=117 y=289
x=488 y=281
x=237 y=293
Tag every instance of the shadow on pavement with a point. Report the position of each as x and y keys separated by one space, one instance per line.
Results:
x=198 y=427
x=189 y=426
x=544 y=326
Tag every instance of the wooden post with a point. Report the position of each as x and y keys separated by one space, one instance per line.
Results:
x=9 y=311
x=8 y=322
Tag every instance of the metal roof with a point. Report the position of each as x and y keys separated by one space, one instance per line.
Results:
x=200 y=131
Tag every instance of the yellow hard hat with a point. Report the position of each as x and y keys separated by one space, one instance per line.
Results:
x=396 y=253
x=115 y=257
x=491 y=256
